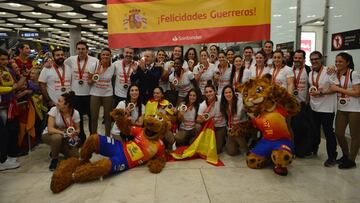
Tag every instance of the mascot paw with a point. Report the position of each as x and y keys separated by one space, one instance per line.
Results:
x=281 y=158
x=62 y=176
x=254 y=161
x=282 y=171
x=156 y=165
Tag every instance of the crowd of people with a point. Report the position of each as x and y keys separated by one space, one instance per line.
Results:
x=47 y=102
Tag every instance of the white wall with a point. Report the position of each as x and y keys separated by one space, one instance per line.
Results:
x=344 y=16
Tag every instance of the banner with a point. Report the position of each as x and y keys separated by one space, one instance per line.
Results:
x=151 y=23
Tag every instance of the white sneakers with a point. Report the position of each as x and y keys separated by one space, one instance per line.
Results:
x=10 y=163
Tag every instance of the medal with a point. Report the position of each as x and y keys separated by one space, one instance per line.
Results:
x=313 y=89
x=342 y=101
x=95 y=77
x=126 y=86
x=70 y=130
x=81 y=82
x=131 y=106
x=82 y=69
x=206 y=116
x=61 y=77
x=175 y=82
x=63 y=89
x=296 y=92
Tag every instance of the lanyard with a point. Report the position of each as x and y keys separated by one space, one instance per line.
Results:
x=258 y=73
x=276 y=71
x=126 y=74
x=316 y=83
x=97 y=71
x=345 y=82
x=81 y=71
x=297 y=77
x=71 y=124
x=61 y=77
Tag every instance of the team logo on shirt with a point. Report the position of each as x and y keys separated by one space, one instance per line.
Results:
x=134 y=20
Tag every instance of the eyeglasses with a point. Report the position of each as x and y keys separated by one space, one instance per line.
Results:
x=314 y=59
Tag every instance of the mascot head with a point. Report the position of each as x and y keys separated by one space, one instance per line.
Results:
x=122 y=120
x=258 y=94
x=156 y=126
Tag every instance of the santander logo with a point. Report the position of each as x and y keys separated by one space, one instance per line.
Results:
x=186 y=38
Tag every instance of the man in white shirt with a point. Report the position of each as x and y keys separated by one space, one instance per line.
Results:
x=322 y=102
x=248 y=57
x=55 y=80
x=80 y=65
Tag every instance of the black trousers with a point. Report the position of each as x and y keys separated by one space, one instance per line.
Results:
x=82 y=104
x=9 y=139
x=117 y=100
x=325 y=120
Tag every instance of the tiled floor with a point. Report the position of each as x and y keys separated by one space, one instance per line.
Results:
x=188 y=181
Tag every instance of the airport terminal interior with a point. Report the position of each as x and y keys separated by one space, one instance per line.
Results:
x=50 y=27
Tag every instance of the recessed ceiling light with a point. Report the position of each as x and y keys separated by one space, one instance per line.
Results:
x=52 y=20
x=21 y=19
x=36 y=13
x=337 y=16
x=279 y=26
x=92 y=25
x=277 y=15
x=331 y=7
x=83 y=20
x=64 y=24
x=104 y=13
x=292 y=21
x=97 y=5
x=292 y=7
x=37 y=24
x=2 y=13
x=55 y=5
x=71 y=13
x=14 y=5
x=311 y=16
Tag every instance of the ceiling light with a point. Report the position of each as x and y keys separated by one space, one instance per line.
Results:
x=55 y=5
x=37 y=24
x=292 y=7
x=292 y=21
x=279 y=26
x=331 y=7
x=311 y=16
x=83 y=32
x=104 y=13
x=337 y=16
x=2 y=13
x=36 y=13
x=65 y=24
x=97 y=5
x=14 y=5
x=92 y=25
x=21 y=19
x=52 y=20
x=83 y=20
x=277 y=15
x=71 y=13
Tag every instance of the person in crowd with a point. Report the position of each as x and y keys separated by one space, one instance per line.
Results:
x=22 y=59
x=281 y=73
x=222 y=73
x=302 y=124
x=55 y=80
x=80 y=65
x=102 y=90
x=260 y=68
x=132 y=104
x=63 y=124
x=231 y=108
x=230 y=54
x=239 y=74
x=289 y=58
x=146 y=75
x=210 y=108
x=191 y=54
x=186 y=114
x=8 y=127
x=167 y=69
x=182 y=80
x=214 y=51
x=348 y=109
x=268 y=49
x=248 y=57
x=322 y=102
x=123 y=70
x=204 y=71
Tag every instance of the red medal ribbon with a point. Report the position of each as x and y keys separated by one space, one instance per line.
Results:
x=297 y=77
x=345 y=82
x=316 y=83
x=275 y=72
x=126 y=74
x=71 y=124
x=258 y=73
x=61 y=77
x=81 y=71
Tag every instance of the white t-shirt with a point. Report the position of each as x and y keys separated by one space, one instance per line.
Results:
x=214 y=112
x=103 y=87
x=184 y=83
x=224 y=78
x=84 y=89
x=282 y=76
x=353 y=103
x=207 y=75
x=120 y=91
x=302 y=86
x=240 y=113
x=245 y=77
x=325 y=103
x=53 y=84
x=266 y=70
x=59 y=123
x=134 y=116
x=189 y=119
x=250 y=63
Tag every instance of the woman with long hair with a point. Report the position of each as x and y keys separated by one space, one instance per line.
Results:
x=191 y=58
x=231 y=108
x=260 y=67
x=239 y=74
x=281 y=73
x=348 y=109
x=101 y=91
x=223 y=72
x=186 y=114
x=204 y=71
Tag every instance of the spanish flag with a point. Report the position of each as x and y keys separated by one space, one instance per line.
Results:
x=203 y=146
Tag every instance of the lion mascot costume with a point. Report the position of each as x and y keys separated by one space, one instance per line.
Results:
x=268 y=105
x=139 y=145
